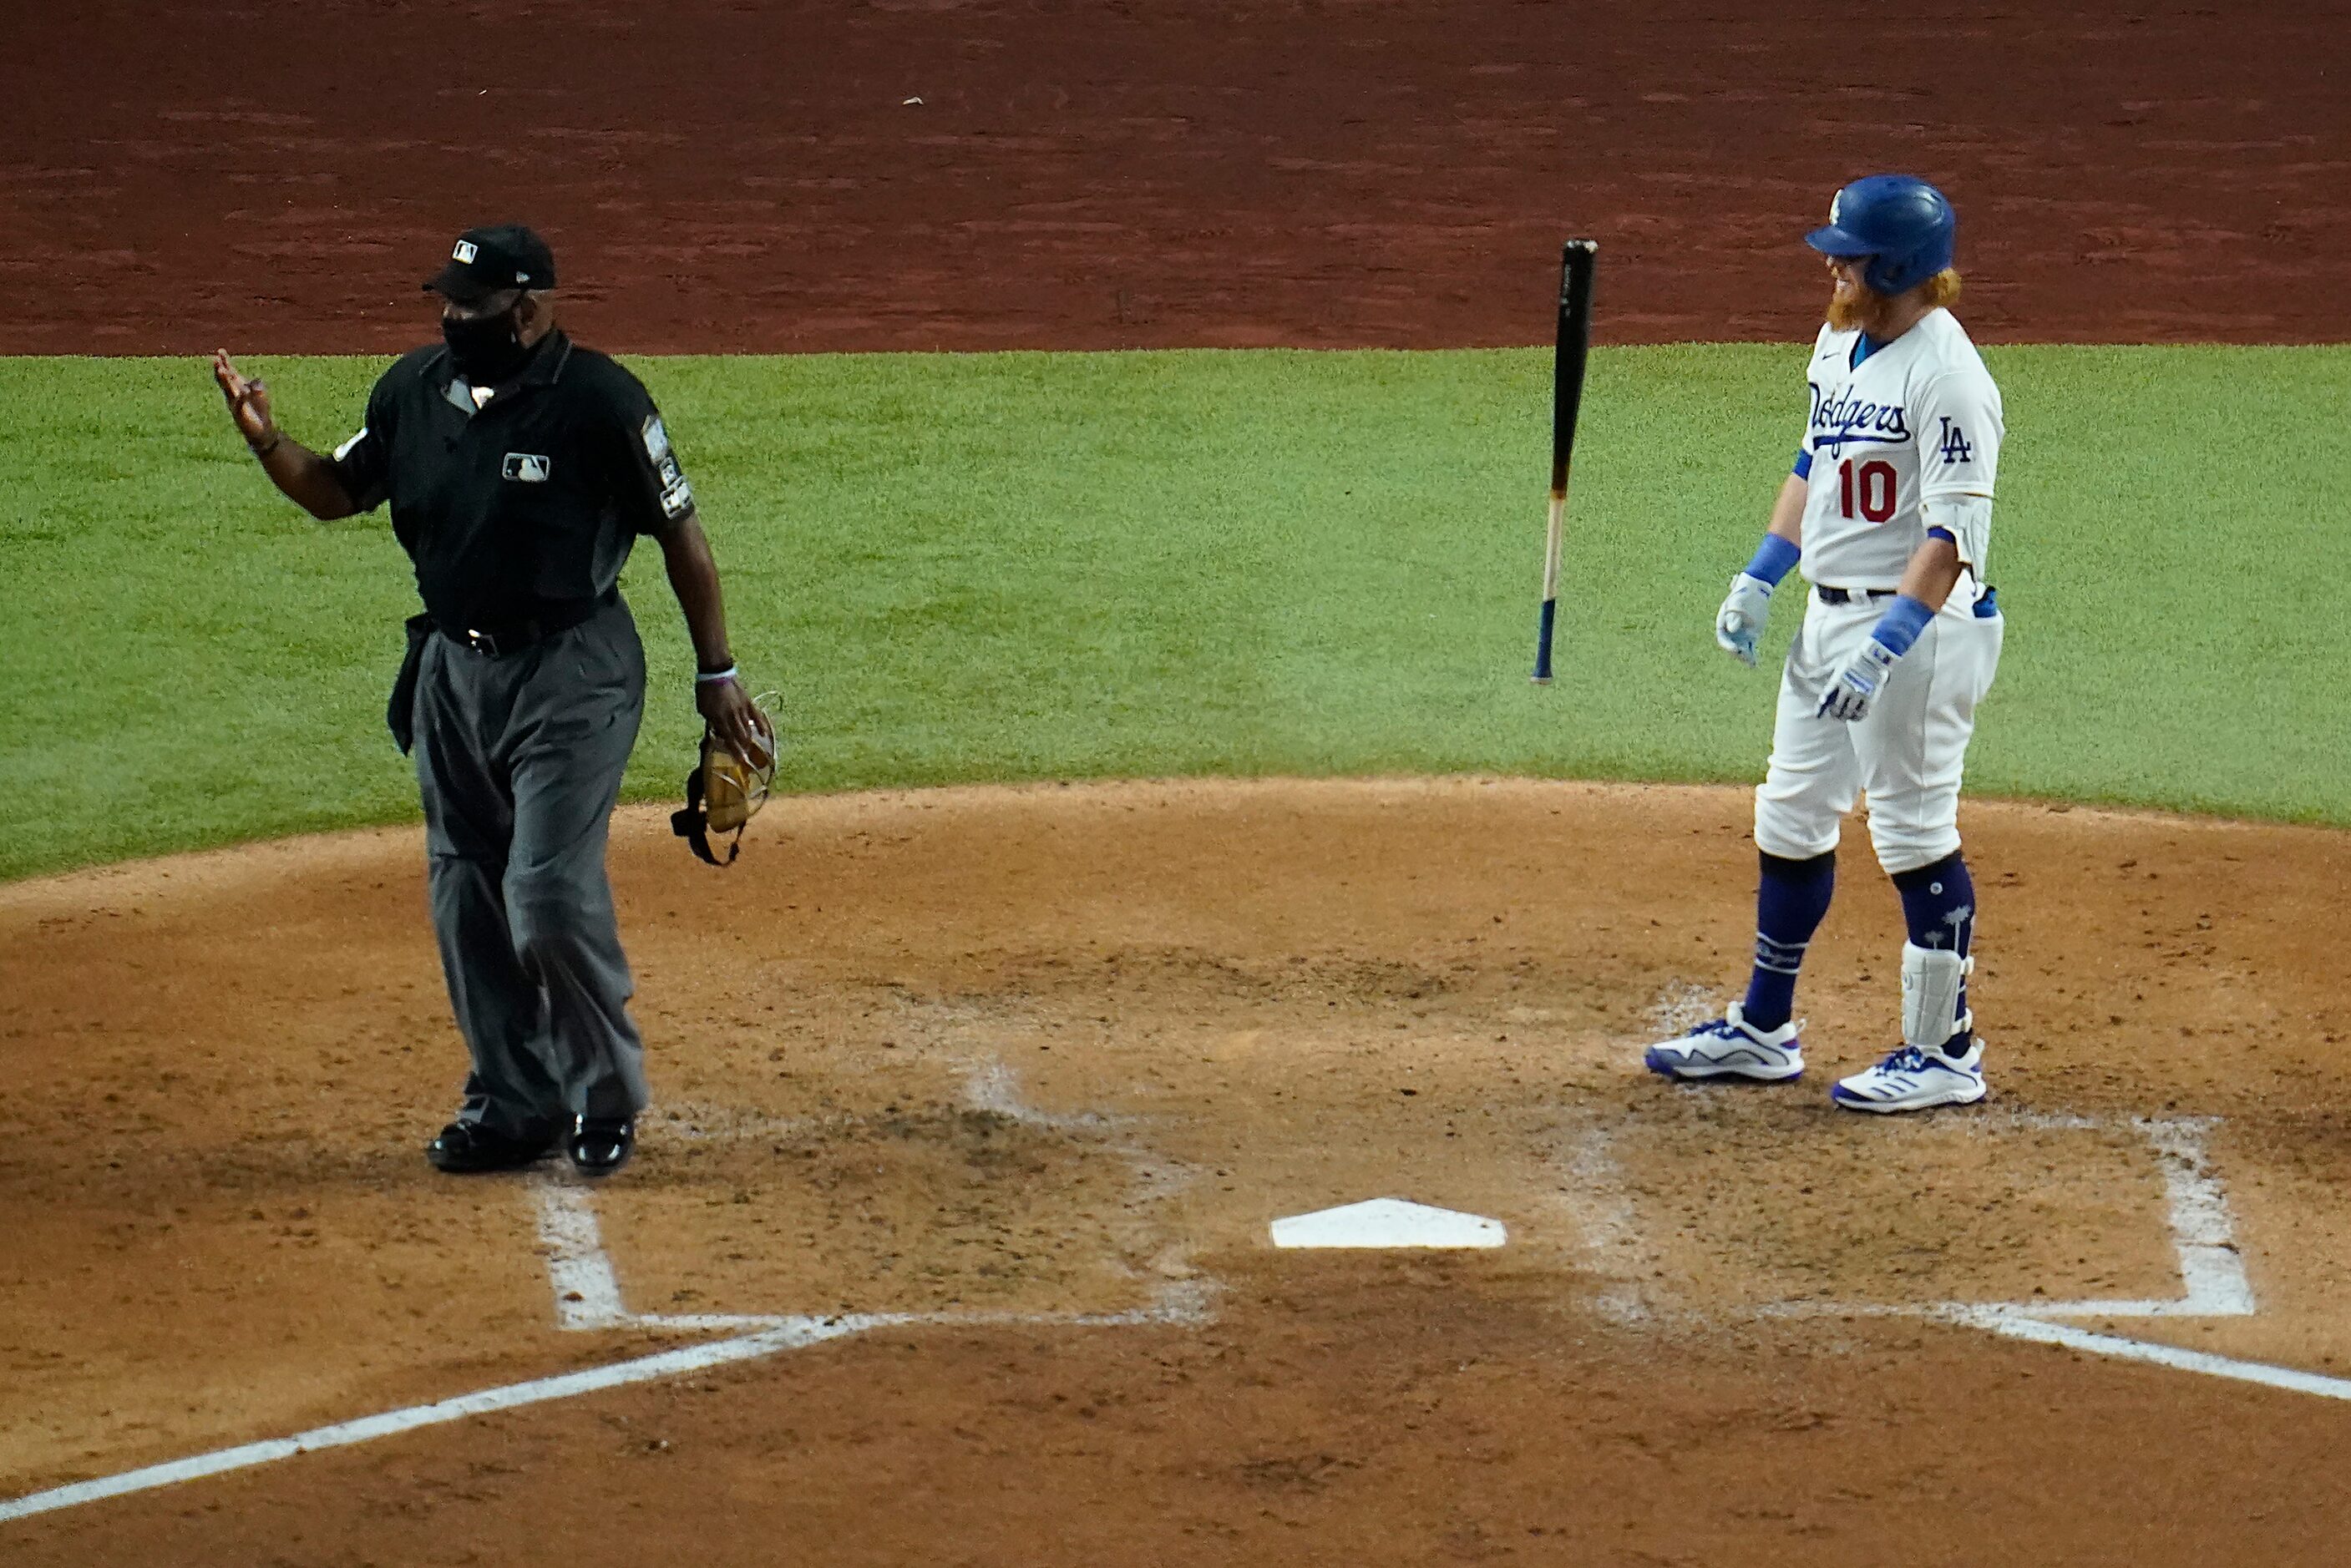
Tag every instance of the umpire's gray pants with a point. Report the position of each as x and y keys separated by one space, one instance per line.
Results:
x=519 y=760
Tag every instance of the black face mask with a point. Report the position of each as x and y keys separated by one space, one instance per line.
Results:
x=486 y=349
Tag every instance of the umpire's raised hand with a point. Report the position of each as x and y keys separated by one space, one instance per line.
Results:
x=248 y=402
x=307 y=479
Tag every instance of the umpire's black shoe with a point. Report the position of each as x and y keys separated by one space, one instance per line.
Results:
x=602 y=1145
x=465 y=1147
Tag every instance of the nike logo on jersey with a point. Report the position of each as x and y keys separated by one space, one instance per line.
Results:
x=1846 y=417
x=1955 y=447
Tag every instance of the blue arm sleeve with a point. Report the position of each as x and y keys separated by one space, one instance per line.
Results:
x=1899 y=627
x=1773 y=558
x=1803 y=469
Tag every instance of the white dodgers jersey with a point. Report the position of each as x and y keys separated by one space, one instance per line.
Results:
x=1918 y=420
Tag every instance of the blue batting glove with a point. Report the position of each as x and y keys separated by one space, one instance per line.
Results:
x=1862 y=678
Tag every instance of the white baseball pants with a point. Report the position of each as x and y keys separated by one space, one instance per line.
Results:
x=1906 y=755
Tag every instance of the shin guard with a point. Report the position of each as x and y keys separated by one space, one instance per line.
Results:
x=1932 y=978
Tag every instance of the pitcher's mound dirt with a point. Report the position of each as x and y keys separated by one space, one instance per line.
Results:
x=1009 y=1054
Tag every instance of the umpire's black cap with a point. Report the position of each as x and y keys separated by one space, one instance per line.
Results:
x=484 y=261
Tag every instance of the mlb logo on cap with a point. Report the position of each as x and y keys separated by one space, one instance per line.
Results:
x=486 y=261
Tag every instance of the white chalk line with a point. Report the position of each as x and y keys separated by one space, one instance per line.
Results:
x=2033 y=1326
x=588 y=1293
x=2203 y=1240
x=2203 y=1237
x=2211 y=1273
x=587 y=1297
x=1605 y=1213
x=538 y=1391
x=2041 y=1331
x=2202 y=1231
x=992 y=1087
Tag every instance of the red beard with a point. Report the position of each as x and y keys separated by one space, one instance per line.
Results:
x=1856 y=311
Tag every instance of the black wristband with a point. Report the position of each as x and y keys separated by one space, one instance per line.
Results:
x=276 y=439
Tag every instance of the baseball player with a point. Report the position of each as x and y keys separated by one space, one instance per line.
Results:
x=520 y=469
x=1889 y=512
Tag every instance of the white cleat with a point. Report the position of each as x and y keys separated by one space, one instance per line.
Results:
x=1730 y=1047
x=1915 y=1079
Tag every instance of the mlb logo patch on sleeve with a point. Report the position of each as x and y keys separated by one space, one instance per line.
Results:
x=677 y=495
x=525 y=468
x=656 y=439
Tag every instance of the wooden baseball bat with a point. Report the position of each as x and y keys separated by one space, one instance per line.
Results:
x=1572 y=344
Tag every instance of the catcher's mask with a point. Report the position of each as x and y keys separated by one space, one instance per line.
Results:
x=724 y=791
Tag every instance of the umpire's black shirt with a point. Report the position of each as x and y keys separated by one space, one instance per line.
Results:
x=523 y=506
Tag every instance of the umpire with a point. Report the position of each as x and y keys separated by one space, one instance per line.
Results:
x=520 y=468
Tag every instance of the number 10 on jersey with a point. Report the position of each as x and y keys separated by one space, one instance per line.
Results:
x=1870 y=486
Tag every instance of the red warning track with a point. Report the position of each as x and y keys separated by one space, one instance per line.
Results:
x=720 y=176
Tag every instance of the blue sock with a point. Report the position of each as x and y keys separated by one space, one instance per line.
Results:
x=1938 y=904
x=1790 y=898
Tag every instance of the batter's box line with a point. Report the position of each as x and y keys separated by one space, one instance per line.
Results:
x=1183 y=1303
x=2203 y=1237
x=2211 y=1273
x=588 y=1296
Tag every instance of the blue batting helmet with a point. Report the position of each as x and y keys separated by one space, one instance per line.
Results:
x=1901 y=223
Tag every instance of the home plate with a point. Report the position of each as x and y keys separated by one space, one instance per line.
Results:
x=1388 y=1222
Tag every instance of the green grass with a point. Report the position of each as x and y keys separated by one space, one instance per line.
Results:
x=1008 y=566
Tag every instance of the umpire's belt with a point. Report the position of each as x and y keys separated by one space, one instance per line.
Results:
x=1854 y=596
x=512 y=637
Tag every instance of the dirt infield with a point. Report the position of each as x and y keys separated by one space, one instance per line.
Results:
x=722 y=176
x=1004 y=1058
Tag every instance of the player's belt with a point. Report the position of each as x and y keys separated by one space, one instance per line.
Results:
x=512 y=637
x=1854 y=596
